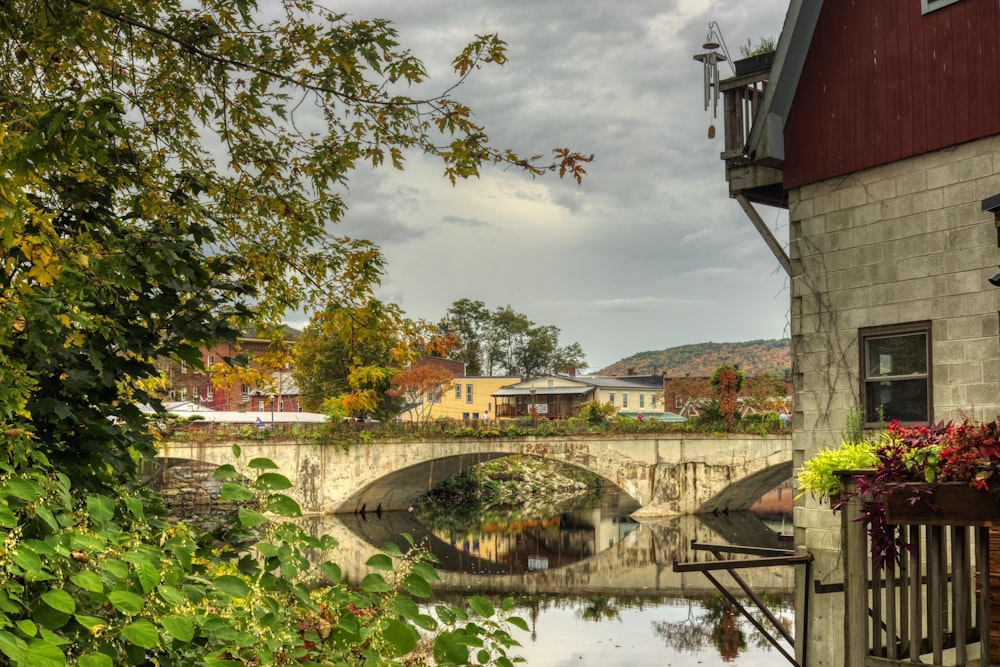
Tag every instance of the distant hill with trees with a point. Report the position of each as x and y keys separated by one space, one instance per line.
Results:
x=754 y=357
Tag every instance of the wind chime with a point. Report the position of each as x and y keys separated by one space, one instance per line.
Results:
x=710 y=60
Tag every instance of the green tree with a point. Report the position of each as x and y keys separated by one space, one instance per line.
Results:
x=160 y=186
x=351 y=354
x=505 y=342
x=469 y=321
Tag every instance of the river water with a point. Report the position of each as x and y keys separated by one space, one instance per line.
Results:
x=596 y=587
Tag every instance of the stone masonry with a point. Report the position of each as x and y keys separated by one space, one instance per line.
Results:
x=898 y=243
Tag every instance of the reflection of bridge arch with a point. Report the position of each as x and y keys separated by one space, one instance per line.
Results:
x=665 y=473
x=640 y=564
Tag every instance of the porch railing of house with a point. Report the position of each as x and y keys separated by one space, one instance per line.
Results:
x=931 y=607
x=741 y=97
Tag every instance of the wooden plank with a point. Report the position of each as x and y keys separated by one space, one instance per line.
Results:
x=913 y=556
x=875 y=645
x=855 y=586
x=935 y=586
x=960 y=591
x=985 y=619
x=891 y=621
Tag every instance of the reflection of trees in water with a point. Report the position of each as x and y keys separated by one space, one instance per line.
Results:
x=716 y=622
x=599 y=608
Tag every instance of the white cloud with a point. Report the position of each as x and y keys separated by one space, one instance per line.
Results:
x=649 y=252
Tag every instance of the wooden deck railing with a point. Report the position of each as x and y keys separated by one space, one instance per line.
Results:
x=741 y=98
x=932 y=607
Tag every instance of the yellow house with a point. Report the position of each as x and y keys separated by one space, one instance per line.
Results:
x=559 y=396
x=467 y=397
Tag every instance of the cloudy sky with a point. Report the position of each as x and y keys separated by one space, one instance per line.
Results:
x=649 y=252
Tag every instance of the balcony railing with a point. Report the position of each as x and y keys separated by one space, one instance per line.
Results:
x=758 y=179
x=932 y=607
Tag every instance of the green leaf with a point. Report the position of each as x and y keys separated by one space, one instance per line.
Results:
x=426 y=571
x=13 y=647
x=141 y=633
x=379 y=562
x=135 y=507
x=392 y=549
x=417 y=586
x=332 y=571
x=59 y=600
x=179 y=627
x=27 y=560
x=482 y=606
x=148 y=576
x=115 y=568
x=449 y=651
x=250 y=518
x=170 y=595
x=225 y=471
x=126 y=602
x=46 y=515
x=374 y=583
x=446 y=614
x=22 y=488
x=401 y=637
x=262 y=464
x=100 y=509
x=94 y=660
x=283 y=505
x=272 y=481
x=519 y=622
x=232 y=586
x=235 y=491
x=507 y=604
x=7 y=518
x=45 y=654
x=90 y=622
x=27 y=628
x=236 y=450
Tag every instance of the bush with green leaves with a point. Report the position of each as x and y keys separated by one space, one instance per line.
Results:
x=102 y=580
x=819 y=474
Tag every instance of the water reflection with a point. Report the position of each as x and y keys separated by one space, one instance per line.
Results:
x=595 y=587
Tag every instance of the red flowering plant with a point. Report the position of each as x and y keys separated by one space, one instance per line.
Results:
x=963 y=451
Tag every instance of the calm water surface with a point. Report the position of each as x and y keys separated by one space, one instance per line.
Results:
x=595 y=587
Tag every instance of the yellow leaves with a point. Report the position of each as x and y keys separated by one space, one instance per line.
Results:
x=569 y=162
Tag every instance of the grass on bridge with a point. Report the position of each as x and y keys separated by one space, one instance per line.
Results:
x=347 y=433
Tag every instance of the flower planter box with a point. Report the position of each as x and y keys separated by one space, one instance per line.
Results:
x=754 y=64
x=948 y=504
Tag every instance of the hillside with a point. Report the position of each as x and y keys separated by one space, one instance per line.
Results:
x=754 y=357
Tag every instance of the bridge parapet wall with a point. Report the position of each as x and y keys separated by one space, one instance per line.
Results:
x=668 y=474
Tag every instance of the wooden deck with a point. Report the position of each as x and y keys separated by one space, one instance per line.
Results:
x=932 y=607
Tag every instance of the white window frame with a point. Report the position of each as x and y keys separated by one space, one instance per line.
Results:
x=468 y=393
x=882 y=378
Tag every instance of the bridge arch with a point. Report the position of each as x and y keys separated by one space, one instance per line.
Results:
x=403 y=488
x=667 y=474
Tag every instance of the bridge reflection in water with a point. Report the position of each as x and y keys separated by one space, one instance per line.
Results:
x=597 y=552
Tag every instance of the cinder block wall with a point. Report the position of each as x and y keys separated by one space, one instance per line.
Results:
x=898 y=243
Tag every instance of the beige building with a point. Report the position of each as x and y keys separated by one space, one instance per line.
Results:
x=560 y=396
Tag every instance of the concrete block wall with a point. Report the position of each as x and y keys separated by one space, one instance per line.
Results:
x=897 y=243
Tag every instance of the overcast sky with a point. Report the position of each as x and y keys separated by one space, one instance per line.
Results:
x=649 y=252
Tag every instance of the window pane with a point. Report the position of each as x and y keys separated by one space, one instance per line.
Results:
x=897 y=355
x=905 y=400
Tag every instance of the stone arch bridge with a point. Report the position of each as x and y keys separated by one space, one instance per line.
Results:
x=667 y=474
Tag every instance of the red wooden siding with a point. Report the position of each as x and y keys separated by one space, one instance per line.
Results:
x=883 y=82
